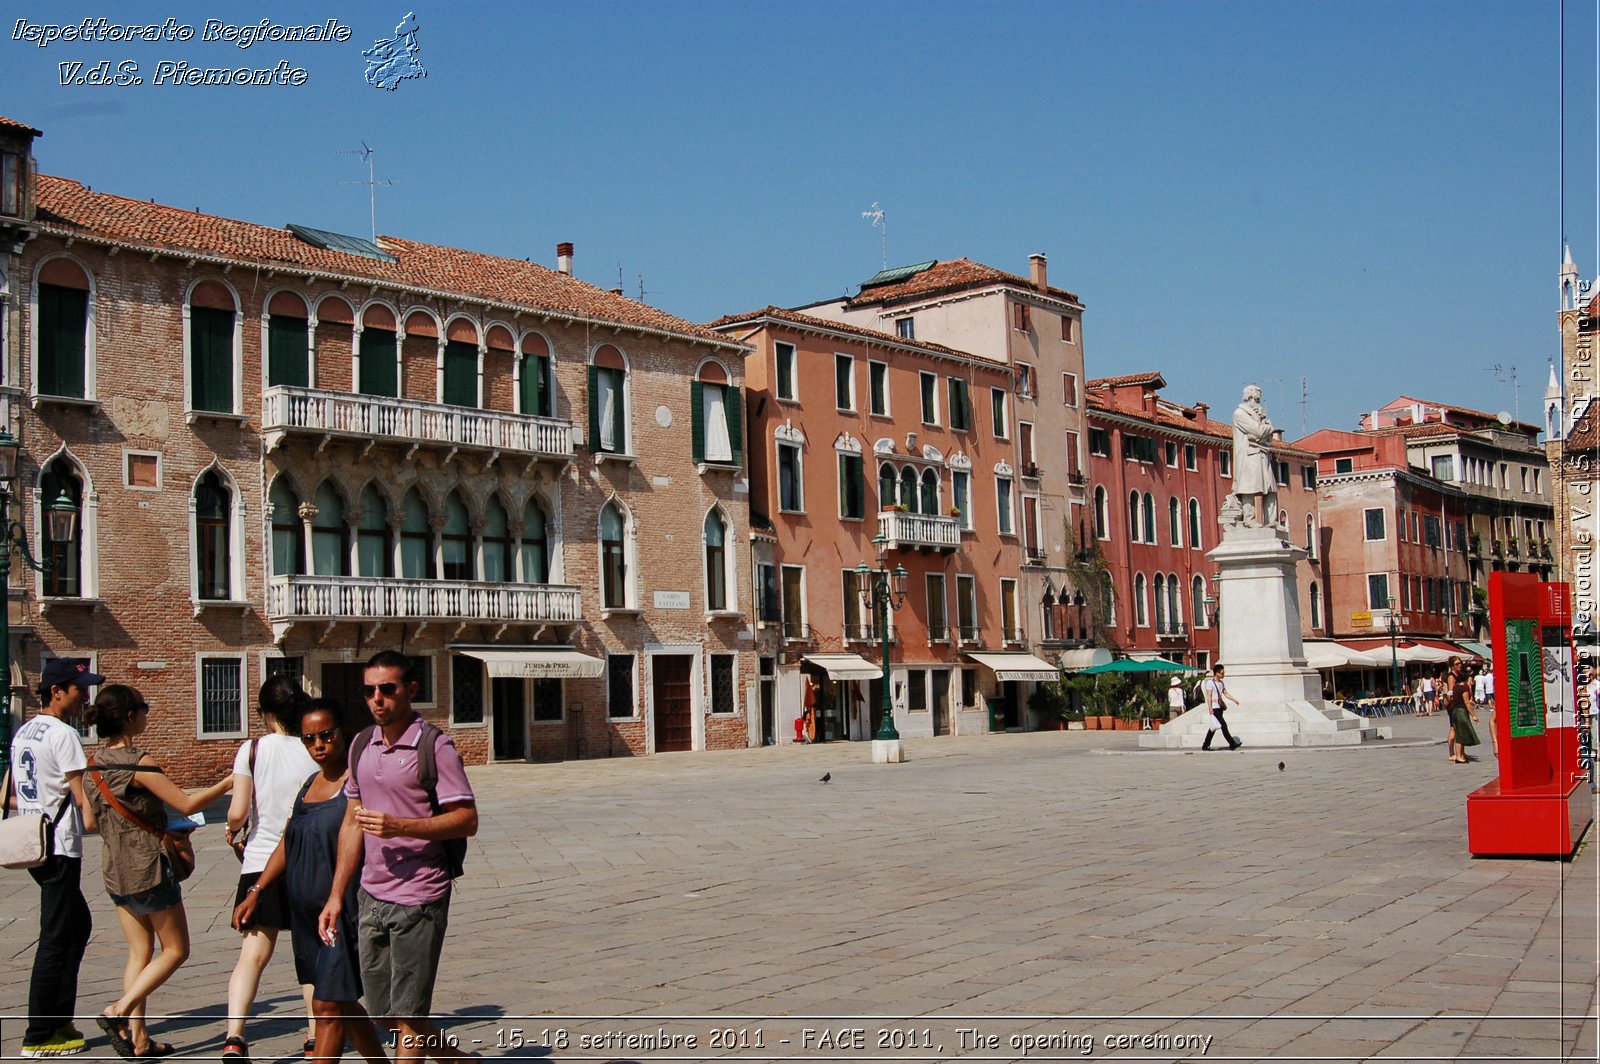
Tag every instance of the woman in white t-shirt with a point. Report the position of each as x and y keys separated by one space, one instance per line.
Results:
x=267 y=774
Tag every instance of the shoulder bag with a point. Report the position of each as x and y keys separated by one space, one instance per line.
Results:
x=28 y=839
x=178 y=849
x=241 y=838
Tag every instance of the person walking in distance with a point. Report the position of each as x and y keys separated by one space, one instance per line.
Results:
x=1176 y=707
x=411 y=831
x=47 y=773
x=1216 y=690
x=267 y=771
x=1483 y=698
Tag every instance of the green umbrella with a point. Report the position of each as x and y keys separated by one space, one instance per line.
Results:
x=1132 y=665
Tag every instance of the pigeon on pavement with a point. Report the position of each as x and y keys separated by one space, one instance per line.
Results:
x=826 y=776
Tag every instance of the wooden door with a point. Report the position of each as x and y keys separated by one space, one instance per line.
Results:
x=342 y=683
x=941 y=702
x=672 y=685
x=510 y=719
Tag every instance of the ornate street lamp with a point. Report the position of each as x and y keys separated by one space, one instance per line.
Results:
x=886 y=591
x=61 y=522
x=1394 y=653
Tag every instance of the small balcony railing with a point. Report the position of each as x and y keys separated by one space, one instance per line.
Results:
x=1172 y=630
x=1012 y=635
x=938 y=633
x=374 y=598
x=924 y=532
x=312 y=411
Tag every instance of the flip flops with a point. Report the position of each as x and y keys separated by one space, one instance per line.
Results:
x=154 y=1050
x=116 y=1029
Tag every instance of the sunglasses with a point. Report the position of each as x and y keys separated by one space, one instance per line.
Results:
x=312 y=738
x=387 y=690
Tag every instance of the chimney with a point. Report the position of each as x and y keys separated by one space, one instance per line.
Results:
x=1036 y=272
x=1202 y=410
x=564 y=258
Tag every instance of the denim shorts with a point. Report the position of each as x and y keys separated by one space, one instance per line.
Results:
x=158 y=899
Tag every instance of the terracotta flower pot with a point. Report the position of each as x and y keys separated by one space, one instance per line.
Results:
x=1127 y=725
x=1107 y=722
x=1091 y=723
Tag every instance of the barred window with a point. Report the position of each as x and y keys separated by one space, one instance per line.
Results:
x=722 y=683
x=466 y=687
x=221 y=696
x=422 y=673
x=293 y=668
x=619 y=685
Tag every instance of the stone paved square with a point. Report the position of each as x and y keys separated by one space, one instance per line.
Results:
x=1052 y=886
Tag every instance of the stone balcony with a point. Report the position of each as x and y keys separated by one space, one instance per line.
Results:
x=325 y=415
x=371 y=599
x=924 y=532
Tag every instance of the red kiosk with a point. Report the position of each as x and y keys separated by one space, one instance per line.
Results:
x=1542 y=803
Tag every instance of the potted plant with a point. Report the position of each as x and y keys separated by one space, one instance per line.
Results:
x=1049 y=701
x=1511 y=545
x=1477 y=542
x=1497 y=547
x=954 y=511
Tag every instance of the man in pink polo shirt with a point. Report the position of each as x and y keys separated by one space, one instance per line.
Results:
x=395 y=835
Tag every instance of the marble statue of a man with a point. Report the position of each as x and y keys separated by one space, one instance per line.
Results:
x=1253 y=475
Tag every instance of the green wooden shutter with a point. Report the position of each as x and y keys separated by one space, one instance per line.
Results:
x=211 y=359
x=460 y=373
x=63 y=325
x=378 y=371
x=536 y=386
x=733 y=406
x=594 y=408
x=697 y=419
x=287 y=351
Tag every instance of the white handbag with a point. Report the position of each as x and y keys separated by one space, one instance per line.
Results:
x=27 y=839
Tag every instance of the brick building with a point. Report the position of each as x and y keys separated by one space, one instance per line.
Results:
x=293 y=447
x=1394 y=537
x=1035 y=329
x=855 y=434
x=1159 y=474
x=1502 y=475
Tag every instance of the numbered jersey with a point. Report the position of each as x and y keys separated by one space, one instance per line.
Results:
x=44 y=751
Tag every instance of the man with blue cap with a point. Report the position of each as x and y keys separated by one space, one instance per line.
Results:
x=47 y=770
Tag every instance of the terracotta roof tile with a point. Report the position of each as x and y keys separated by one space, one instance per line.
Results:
x=1467 y=410
x=874 y=335
x=1128 y=379
x=1167 y=415
x=68 y=208
x=19 y=127
x=954 y=275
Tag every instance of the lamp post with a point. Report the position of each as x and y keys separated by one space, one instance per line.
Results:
x=885 y=591
x=61 y=520
x=1394 y=652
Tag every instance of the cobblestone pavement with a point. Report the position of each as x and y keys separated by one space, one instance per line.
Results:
x=1050 y=886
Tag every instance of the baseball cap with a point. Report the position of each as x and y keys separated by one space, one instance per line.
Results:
x=64 y=672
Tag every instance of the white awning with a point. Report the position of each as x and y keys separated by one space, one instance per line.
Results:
x=535 y=662
x=1420 y=654
x=846 y=666
x=1084 y=657
x=1017 y=666
x=1338 y=656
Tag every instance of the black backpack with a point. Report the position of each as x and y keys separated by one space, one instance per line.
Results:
x=455 y=850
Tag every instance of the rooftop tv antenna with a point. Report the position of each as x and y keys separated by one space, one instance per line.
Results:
x=371 y=182
x=1508 y=374
x=879 y=221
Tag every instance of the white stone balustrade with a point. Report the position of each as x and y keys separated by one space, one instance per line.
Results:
x=907 y=531
x=286 y=409
x=373 y=598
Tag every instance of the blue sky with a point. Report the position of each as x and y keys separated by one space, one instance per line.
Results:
x=1363 y=195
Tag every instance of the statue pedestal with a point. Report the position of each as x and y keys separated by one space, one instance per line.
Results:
x=1280 y=698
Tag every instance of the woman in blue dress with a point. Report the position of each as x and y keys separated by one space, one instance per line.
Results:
x=305 y=860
